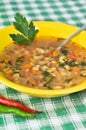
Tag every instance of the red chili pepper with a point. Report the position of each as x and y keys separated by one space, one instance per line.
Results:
x=15 y=104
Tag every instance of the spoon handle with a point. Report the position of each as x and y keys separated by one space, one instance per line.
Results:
x=70 y=37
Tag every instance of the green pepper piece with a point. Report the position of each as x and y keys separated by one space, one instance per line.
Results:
x=16 y=111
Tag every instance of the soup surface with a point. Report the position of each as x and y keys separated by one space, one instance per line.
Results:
x=42 y=66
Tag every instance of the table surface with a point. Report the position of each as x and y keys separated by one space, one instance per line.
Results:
x=63 y=113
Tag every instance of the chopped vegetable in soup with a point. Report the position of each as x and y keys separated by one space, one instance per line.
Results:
x=42 y=66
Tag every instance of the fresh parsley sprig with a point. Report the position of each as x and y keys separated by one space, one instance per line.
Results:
x=28 y=31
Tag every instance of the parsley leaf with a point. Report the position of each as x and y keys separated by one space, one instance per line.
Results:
x=72 y=63
x=21 y=24
x=20 y=39
x=48 y=78
x=68 y=80
x=46 y=74
x=65 y=52
x=28 y=31
x=32 y=31
x=83 y=63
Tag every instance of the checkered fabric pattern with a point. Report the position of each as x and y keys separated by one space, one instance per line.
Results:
x=63 y=113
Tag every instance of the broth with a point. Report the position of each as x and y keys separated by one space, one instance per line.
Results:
x=42 y=66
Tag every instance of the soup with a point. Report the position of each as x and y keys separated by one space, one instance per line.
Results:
x=42 y=66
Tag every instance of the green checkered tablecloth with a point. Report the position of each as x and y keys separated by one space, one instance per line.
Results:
x=63 y=113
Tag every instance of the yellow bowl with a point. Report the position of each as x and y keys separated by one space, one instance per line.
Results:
x=46 y=29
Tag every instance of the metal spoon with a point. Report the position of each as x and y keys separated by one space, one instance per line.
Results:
x=70 y=37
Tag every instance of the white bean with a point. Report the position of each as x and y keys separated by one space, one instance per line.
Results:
x=51 y=69
x=44 y=67
x=57 y=87
x=67 y=67
x=40 y=50
x=62 y=59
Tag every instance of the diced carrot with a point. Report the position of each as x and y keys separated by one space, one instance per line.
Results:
x=32 y=49
x=10 y=78
x=32 y=60
x=36 y=82
x=2 y=64
x=55 y=53
x=20 y=54
x=9 y=71
x=30 y=70
x=6 y=58
x=76 y=69
x=77 y=52
x=48 y=54
x=72 y=57
x=34 y=71
x=29 y=85
x=55 y=64
x=21 y=47
x=26 y=66
x=31 y=52
x=22 y=73
x=26 y=58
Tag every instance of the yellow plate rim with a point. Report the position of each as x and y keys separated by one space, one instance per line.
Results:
x=64 y=30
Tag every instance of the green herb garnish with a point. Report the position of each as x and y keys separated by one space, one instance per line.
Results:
x=28 y=31
x=69 y=63
x=46 y=74
x=61 y=64
x=48 y=77
x=72 y=63
x=16 y=69
x=65 y=52
x=20 y=59
x=68 y=80
x=83 y=63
